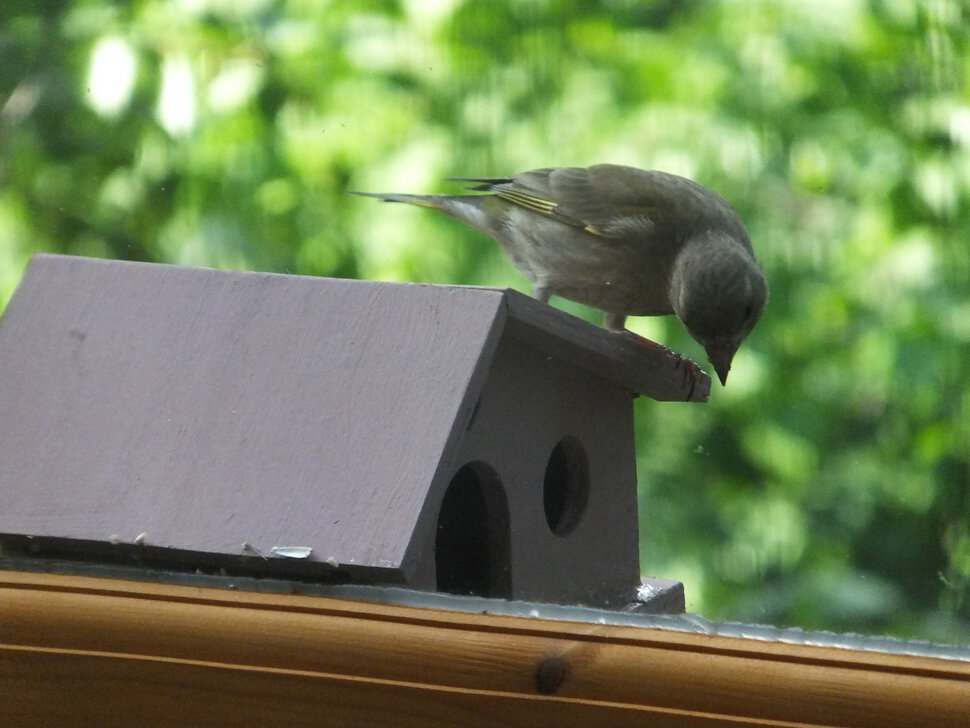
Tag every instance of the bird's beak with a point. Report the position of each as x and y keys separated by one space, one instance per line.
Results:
x=720 y=354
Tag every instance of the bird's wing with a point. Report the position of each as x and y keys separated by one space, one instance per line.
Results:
x=579 y=197
x=529 y=190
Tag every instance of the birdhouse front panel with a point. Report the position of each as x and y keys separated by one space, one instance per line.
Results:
x=554 y=514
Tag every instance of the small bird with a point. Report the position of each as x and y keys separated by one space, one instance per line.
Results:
x=628 y=241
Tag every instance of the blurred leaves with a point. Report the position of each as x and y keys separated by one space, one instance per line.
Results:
x=829 y=484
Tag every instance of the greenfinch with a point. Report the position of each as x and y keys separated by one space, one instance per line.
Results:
x=628 y=241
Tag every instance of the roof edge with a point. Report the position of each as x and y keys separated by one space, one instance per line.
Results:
x=643 y=366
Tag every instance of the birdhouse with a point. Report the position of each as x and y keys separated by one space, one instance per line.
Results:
x=443 y=438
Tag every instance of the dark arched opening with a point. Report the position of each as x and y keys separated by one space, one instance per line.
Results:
x=472 y=540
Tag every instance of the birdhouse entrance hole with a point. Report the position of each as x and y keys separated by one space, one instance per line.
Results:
x=472 y=541
x=565 y=488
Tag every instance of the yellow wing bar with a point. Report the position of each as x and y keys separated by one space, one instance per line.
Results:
x=527 y=200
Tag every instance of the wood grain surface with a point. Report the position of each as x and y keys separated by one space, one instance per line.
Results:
x=81 y=651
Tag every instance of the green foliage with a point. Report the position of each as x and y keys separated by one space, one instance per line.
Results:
x=829 y=484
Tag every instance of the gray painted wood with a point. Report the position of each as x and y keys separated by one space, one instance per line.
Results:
x=205 y=409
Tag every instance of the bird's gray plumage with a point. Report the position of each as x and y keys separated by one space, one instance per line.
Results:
x=627 y=241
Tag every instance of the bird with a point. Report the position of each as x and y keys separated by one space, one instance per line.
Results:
x=628 y=241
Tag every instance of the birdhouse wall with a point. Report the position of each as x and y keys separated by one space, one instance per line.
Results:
x=532 y=402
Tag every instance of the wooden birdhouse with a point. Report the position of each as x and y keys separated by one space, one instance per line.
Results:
x=442 y=438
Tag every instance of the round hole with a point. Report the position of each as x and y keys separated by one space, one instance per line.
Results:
x=565 y=488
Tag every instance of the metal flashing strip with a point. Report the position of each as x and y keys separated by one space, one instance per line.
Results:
x=399 y=596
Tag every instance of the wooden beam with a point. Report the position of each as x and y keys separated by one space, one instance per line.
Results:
x=83 y=651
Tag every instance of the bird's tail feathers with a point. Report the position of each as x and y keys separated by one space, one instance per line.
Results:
x=421 y=200
x=467 y=208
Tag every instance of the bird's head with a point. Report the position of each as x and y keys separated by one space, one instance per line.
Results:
x=718 y=292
